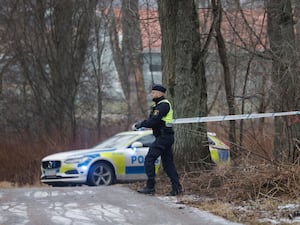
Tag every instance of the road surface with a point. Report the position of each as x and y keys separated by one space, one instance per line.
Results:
x=112 y=205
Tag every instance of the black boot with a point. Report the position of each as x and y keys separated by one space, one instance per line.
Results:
x=146 y=190
x=175 y=192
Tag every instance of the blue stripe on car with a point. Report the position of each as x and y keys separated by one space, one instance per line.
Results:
x=134 y=169
x=92 y=156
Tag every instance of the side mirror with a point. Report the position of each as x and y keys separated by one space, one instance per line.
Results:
x=137 y=144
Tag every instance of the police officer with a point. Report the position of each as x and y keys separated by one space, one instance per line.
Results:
x=160 y=120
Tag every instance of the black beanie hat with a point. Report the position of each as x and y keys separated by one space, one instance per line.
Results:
x=159 y=87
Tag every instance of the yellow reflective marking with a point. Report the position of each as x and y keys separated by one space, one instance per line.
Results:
x=156 y=168
x=118 y=159
x=214 y=155
x=66 y=167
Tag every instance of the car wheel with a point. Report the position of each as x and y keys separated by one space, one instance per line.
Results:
x=100 y=173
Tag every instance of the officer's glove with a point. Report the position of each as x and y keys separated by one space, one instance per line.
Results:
x=137 y=125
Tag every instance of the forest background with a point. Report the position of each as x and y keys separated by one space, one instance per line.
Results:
x=74 y=72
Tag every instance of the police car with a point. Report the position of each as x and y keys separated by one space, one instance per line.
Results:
x=121 y=157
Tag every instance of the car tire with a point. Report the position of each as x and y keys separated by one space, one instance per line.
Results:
x=100 y=173
x=58 y=184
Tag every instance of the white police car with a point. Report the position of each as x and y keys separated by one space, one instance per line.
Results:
x=121 y=157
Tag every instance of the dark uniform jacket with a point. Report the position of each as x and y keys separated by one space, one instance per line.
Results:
x=158 y=111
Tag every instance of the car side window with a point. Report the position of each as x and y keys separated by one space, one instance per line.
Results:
x=210 y=141
x=147 y=140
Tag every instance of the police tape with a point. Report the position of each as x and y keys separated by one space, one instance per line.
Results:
x=232 y=117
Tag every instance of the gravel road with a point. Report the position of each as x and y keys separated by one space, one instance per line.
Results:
x=107 y=205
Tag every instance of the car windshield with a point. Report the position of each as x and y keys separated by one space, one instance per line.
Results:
x=117 y=141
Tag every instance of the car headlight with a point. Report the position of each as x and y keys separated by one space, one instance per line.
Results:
x=77 y=160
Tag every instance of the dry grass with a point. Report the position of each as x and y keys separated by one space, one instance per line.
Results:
x=21 y=155
x=254 y=192
x=21 y=160
x=244 y=194
x=6 y=184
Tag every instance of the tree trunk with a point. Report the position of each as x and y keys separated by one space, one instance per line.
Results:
x=184 y=75
x=285 y=77
x=217 y=11
x=96 y=60
x=129 y=61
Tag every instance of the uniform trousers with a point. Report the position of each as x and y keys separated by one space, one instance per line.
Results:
x=162 y=146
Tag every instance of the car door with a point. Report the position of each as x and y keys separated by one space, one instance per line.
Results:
x=135 y=158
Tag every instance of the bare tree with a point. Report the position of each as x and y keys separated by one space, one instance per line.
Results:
x=217 y=11
x=129 y=60
x=183 y=57
x=285 y=77
x=99 y=41
x=49 y=39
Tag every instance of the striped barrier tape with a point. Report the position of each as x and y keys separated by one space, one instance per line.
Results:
x=232 y=117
